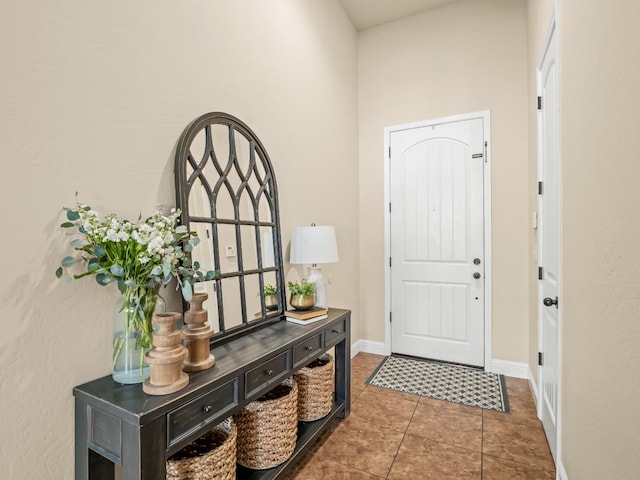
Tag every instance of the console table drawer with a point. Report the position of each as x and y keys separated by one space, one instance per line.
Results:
x=202 y=410
x=268 y=372
x=334 y=333
x=307 y=350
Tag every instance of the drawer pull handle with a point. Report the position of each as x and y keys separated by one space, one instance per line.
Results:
x=335 y=331
x=269 y=372
x=207 y=409
x=308 y=348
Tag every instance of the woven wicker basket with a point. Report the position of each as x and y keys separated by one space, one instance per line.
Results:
x=315 y=389
x=268 y=429
x=210 y=457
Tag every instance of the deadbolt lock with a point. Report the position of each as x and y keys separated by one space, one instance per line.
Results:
x=476 y=275
x=476 y=261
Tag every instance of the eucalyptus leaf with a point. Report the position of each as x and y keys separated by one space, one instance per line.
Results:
x=68 y=261
x=194 y=241
x=59 y=272
x=66 y=225
x=93 y=265
x=99 y=251
x=211 y=274
x=130 y=283
x=181 y=229
x=104 y=279
x=188 y=247
x=73 y=215
x=196 y=265
x=166 y=268
x=157 y=270
x=187 y=291
x=75 y=242
x=117 y=270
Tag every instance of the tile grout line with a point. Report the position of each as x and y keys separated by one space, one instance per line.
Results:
x=537 y=467
x=404 y=434
x=351 y=467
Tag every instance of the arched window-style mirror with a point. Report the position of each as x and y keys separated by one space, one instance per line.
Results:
x=226 y=189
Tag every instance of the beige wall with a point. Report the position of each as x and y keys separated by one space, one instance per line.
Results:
x=599 y=122
x=95 y=95
x=539 y=14
x=463 y=57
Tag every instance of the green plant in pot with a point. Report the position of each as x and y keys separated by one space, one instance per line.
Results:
x=302 y=295
x=270 y=297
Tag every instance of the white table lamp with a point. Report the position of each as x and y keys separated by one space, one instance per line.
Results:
x=313 y=245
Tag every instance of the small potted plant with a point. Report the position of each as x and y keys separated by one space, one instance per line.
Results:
x=270 y=297
x=302 y=295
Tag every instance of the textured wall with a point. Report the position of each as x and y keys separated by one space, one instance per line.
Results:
x=599 y=122
x=459 y=58
x=95 y=95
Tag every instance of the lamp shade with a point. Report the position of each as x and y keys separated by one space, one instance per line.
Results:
x=315 y=244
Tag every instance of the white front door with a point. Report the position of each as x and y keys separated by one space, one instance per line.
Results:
x=548 y=241
x=437 y=241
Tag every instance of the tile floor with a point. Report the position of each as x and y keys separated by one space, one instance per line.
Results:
x=396 y=436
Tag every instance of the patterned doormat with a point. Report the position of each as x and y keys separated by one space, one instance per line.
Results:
x=442 y=381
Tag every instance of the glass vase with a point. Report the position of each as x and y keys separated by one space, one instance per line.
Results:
x=132 y=333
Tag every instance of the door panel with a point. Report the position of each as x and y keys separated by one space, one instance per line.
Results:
x=548 y=242
x=437 y=230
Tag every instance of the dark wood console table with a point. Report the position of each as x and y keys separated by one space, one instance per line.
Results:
x=119 y=424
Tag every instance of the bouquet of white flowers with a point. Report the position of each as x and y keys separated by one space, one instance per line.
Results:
x=138 y=256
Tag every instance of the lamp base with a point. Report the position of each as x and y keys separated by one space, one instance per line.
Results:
x=315 y=277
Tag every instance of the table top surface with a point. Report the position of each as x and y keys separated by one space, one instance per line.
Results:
x=231 y=358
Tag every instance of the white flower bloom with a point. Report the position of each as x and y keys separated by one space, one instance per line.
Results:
x=111 y=235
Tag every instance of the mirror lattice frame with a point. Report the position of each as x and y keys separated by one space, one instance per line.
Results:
x=212 y=186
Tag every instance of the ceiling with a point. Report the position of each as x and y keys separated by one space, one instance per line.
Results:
x=370 y=13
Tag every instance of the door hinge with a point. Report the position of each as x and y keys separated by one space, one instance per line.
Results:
x=539 y=103
x=540 y=359
x=390 y=318
x=539 y=188
x=389 y=262
x=539 y=273
x=389 y=207
x=486 y=145
x=389 y=152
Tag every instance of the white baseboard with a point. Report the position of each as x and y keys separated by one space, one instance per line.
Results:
x=367 y=346
x=533 y=384
x=561 y=473
x=510 y=369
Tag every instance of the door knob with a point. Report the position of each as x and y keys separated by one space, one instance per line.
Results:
x=548 y=302
x=476 y=261
x=476 y=275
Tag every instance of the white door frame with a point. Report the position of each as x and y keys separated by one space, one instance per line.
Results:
x=552 y=30
x=486 y=117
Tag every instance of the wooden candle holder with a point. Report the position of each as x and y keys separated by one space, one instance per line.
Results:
x=165 y=358
x=196 y=334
